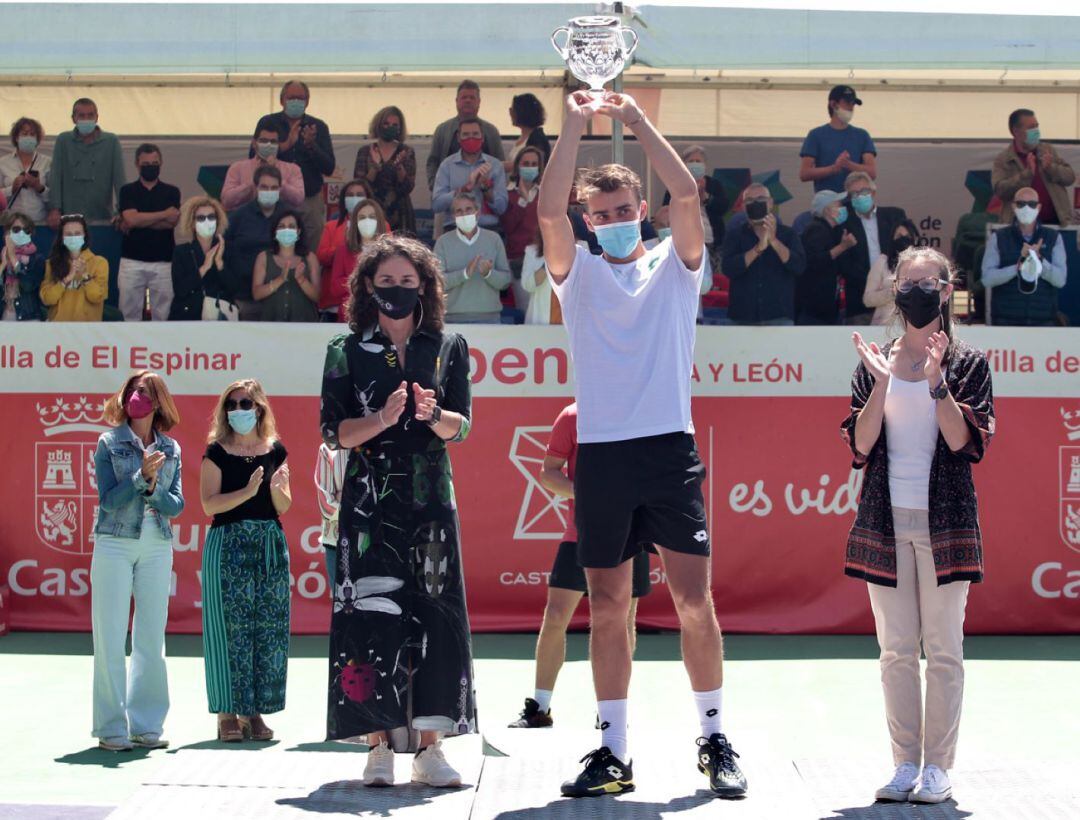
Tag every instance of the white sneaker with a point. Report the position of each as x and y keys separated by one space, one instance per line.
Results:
x=934 y=786
x=115 y=744
x=379 y=770
x=430 y=768
x=150 y=740
x=901 y=786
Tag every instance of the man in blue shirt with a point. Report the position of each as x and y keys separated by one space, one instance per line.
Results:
x=248 y=235
x=472 y=172
x=832 y=151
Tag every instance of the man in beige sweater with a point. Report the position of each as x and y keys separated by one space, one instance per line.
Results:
x=1029 y=162
x=474 y=267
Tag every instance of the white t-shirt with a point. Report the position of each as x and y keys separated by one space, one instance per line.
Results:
x=632 y=329
x=911 y=419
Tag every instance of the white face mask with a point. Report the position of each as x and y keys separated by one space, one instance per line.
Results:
x=206 y=228
x=367 y=226
x=466 y=223
x=844 y=115
x=1025 y=214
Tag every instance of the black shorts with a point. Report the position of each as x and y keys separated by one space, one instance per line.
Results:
x=567 y=573
x=648 y=486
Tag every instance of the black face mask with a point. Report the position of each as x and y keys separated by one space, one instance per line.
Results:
x=396 y=302
x=390 y=132
x=149 y=172
x=756 y=211
x=918 y=307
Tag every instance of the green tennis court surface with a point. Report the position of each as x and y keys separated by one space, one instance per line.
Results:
x=805 y=713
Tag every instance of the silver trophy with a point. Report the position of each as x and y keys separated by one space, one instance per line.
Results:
x=595 y=51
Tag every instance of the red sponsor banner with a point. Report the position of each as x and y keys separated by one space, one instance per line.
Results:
x=767 y=405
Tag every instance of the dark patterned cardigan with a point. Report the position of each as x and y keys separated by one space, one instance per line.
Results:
x=954 y=512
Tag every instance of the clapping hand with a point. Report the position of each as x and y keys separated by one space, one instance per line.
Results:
x=395 y=405
x=254 y=482
x=843 y=162
x=280 y=479
x=935 y=354
x=848 y=240
x=425 y=402
x=874 y=360
x=151 y=463
x=1031 y=161
x=307 y=134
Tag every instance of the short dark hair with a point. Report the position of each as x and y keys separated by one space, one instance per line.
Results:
x=266 y=171
x=147 y=148
x=528 y=110
x=1017 y=115
x=18 y=126
x=269 y=123
x=82 y=101
x=300 y=83
x=606 y=179
x=472 y=85
x=470 y=121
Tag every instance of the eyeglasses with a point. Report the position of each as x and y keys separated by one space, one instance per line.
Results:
x=927 y=285
x=1020 y=203
x=206 y=217
x=19 y=229
x=243 y=404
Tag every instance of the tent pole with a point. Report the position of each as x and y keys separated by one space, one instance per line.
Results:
x=617 y=154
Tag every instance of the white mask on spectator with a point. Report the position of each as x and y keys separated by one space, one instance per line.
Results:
x=1026 y=215
x=206 y=228
x=844 y=115
x=466 y=223
x=367 y=226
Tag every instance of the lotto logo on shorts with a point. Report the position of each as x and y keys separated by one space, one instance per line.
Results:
x=701 y=536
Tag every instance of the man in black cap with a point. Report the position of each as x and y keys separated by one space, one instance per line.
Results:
x=832 y=151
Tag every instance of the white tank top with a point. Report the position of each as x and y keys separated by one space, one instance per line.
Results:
x=911 y=421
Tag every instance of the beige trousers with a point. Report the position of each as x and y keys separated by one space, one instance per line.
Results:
x=918 y=615
x=314 y=213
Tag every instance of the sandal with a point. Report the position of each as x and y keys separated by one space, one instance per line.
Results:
x=255 y=729
x=229 y=730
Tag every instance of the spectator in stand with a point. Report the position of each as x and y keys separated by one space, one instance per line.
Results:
x=306 y=143
x=334 y=234
x=544 y=307
x=286 y=276
x=713 y=205
x=22 y=267
x=519 y=223
x=880 y=293
x=200 y=286
x=24 y=174
x=149 y=210
x=472 y=172
x=474 y=266
x=367 y=223
x=240 y=186
x=76 y=280
x=1030 y=162
x=388 y=165
x=248 y=235
x=832 y=151
x=872 y=226
x=824 y=241
x=444 y=142
x=527 y=114
x=762 y=258
x=1033 y=255
x=87 y=168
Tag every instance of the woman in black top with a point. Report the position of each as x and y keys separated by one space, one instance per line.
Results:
x=244 y=485
x=527 y=114
x=198 y=279
x=396 y=391
x=825 y=240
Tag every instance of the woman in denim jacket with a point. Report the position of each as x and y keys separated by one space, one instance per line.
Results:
x=137 y=468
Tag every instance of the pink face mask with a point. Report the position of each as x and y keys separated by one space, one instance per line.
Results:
x=139 y=406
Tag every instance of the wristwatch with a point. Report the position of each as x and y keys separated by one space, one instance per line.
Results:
x=436 y=415
x=939 y=392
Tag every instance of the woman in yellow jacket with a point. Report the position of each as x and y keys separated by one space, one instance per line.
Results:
x=76 y=280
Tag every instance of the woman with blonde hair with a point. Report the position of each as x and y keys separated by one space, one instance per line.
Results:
x=137 y=468
x=922 y=412
x=244 y=485
x=200 y=286
x=367 y=222
x=389 y=165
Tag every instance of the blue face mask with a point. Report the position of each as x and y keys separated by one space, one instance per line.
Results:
x=21 y=238
x=863 y=203
x=268 y=199
x=86 y=126
x=841 y=215
x=352 y=201
x=287 y=236
x=528 y=174
x=74 y=243
x=619 y=240
x=242 y=421
x=294 y=109
x=1032 y=137
x=696 y=169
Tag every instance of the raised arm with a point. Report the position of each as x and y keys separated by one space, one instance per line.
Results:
x=559 y=247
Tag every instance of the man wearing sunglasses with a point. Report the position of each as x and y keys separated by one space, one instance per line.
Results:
x=1024 y=267
x=1029 y=162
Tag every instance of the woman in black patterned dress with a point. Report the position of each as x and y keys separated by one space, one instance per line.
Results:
x=395 y=392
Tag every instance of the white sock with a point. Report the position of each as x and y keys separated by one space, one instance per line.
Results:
x=543 y=697
x=708 y=709
x=613 y=727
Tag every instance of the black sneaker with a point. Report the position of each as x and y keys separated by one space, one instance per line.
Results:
x=532 y=717
x=716 y=758
x=604 y=774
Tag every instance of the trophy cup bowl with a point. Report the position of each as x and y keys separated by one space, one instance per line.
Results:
x=595 y=50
